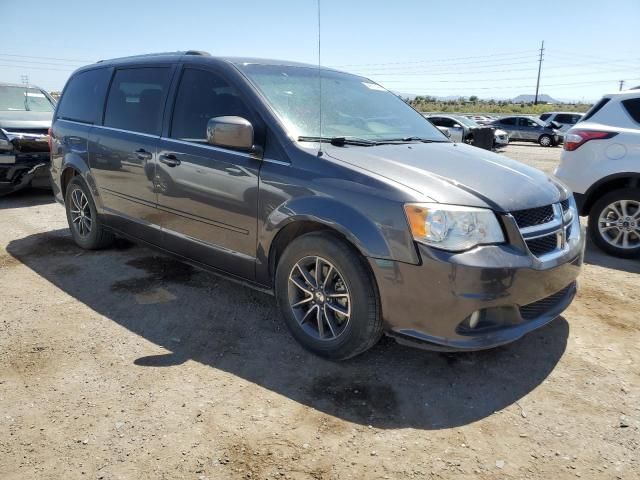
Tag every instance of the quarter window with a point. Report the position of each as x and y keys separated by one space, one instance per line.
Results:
x=136 y=99
x=83 y=97
x=632 y=106
x=203 y=95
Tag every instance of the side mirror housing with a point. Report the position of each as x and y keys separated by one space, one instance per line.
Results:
x=230 y=132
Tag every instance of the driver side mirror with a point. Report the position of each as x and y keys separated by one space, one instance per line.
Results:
x=230 y=132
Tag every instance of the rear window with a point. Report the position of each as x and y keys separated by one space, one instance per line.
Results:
x=544 y=116
x=632 y=106
x=136 y=99
x=83 y=96
x=595 y=108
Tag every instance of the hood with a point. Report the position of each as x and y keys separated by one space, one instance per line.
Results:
x=458 y=174
x=14 y=121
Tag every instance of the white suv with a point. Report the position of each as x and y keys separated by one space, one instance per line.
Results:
x=601 y=164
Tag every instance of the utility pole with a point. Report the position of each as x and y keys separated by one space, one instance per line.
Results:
x=621 y=84
x=535 y=102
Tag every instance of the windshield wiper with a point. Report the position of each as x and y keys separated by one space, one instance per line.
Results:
x=340 y=141
x=411 y=139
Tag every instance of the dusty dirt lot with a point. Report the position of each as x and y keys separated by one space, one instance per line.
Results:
x=124 y=364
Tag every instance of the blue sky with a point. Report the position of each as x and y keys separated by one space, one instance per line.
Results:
x=488 y=49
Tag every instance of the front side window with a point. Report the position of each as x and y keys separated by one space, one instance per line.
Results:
x=203 y=95
x=136 y=99
x=352 y=106
x=24 y=99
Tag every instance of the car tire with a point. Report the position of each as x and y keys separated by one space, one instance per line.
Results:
x=86 y=228
x=609 y=210
x=545 y=140
x=337 y=315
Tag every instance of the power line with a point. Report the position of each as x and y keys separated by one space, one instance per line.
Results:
x=441 y=60
x=48 y=58
x=29 y=62
x=37 y=68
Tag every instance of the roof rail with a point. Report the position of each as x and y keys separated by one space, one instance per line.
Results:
x=158 y=54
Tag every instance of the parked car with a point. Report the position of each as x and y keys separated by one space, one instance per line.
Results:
x=25 y=118
x=528 y=129
x=480 y=119
x=563 y=120
x=369 y=221
x=601 y=163
x=461 y=128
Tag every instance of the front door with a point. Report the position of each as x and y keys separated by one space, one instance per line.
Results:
x=207 y=196
x=123 y=150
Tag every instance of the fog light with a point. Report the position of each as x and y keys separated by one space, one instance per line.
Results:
x=474 y=319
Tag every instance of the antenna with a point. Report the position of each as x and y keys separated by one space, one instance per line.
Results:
x=319 y=83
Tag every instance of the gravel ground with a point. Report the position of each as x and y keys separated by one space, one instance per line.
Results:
x=125 y=364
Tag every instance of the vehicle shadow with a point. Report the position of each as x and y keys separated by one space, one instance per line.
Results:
x=198 y=316
x=594 y=256
x=28 y=197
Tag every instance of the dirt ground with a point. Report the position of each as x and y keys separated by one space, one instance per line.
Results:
x=125 y=364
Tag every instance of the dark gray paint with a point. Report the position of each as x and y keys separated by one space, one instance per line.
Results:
x=223 y=209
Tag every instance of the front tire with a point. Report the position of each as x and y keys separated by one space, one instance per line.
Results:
x=328 y=296
x=86 y=228
x=614 y=223
x=545 y=141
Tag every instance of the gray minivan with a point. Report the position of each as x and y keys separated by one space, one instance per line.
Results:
x=359 y=215
x=529 y=129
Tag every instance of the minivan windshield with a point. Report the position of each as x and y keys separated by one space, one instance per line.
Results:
x=15 y=98
x=352 y=106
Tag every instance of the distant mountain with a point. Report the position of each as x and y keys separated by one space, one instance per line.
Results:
x=542 y=98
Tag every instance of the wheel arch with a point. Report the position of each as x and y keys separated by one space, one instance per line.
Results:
x=305 y=215
x=606 y=185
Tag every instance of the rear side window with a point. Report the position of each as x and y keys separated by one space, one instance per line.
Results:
x=595 y=108
x=83 y=97
x=632 y=106
x=136 y=99
x=508 y=121
x=544 y=116
x=201 y=96
x=565 y=118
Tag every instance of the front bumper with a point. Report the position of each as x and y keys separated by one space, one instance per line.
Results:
x=20 y=171
x=431 y=305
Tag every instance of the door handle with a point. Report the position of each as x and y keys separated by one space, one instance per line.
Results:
x=142 y=154
x=169 y=160
x=236 y=172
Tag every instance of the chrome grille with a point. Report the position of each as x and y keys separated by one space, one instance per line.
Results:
x=545 y=230
x=541 y=245
x=536 y=309
x=533 y=216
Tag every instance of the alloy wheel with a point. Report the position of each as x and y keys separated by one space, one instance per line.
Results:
x=80 y=213
x=619 y=224
x=319 y=298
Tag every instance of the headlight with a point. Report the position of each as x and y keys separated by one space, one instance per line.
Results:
x=451 y=227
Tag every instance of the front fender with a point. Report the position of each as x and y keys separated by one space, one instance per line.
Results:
x=373 y=239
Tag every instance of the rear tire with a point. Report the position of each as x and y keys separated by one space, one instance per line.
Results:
x=613 y=217
x=86 y=228
x=335 y=314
